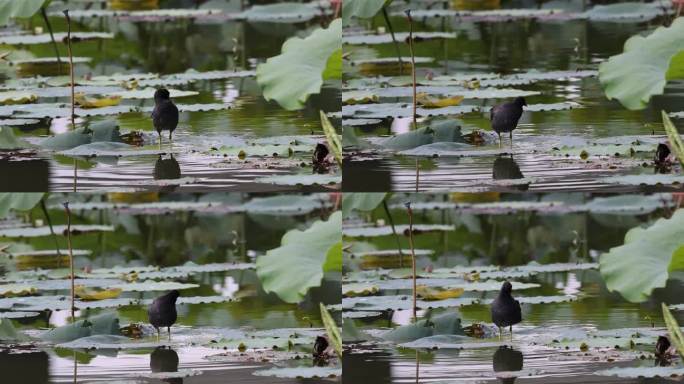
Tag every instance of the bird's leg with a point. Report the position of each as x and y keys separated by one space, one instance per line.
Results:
x=157 y=335
x=169 y=330
x=500 y=335
x=499 y=139
x=160 y=140
x=510 y=328
x=170 y=133
x=511 y=136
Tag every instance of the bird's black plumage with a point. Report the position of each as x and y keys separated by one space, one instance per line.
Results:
x=505 y=309
x=165 y=113
x=162 y=311
x=504 y=117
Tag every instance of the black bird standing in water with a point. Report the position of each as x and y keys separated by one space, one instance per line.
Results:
x=162 y=312
x=505 y=309
x=505 y=117
x=164 y=114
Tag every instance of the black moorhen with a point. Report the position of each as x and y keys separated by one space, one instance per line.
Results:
x=505 y=309
x=162 y=312
x=505 y=117
x=164 y=114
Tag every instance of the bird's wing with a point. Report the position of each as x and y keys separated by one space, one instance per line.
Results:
x=492 y=112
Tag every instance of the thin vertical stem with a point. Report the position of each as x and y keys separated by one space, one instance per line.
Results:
x=394 y=40
x=71 y=69
x=71 y=260
x=52 y=37
x=52 y=232
x=413 y=258
x=413 y=65
x=394 y=232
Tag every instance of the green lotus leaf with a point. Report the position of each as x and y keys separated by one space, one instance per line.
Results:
x=641 y=71
x=298 y=264
x=18 y=201
x=364 y=9
x=23 y=8
x=297 y=72
x=644 y=261
x=361 y=201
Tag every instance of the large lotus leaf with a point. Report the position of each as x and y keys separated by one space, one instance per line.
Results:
x=443 y=131
x=364 y=9
x=104 y=324
x=18 y=201
x=643 y=262
x=105 y=131
x=628 y=10
x=22 y=8
x=297 y=265
x=640 y=72
x=9 y=141
x=297 y=72
x=361 y=201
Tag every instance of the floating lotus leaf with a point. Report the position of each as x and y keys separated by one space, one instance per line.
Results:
x=196 y=107
x=400 y=303
x=361 y=314
x=150 y=285
x=18 y=201
x=59 y=36
x=148 y=93
x=299 y=263
x=44 y=110
x=644 y=261
x=281 y=12
x=107 y=342
x=314 y=179
x=603 y=343
x=364 y=9
x=297 y=72
x=639 y=372
x=301 y=372
x=452 y=283
x=9 y=141
x=553 y=107
x=395 y=252
x=286 y=204
x=361 y=202
x=104 y=324
x=179 y=374
x=89 y=294
x=483 y=93
x=555 y=267
x=112 y=149
x=448 y=323
x=627 y=10
x=359 y=289
x=281 y=343
x=394 y=110
x=11 y=122
x=8 y=290
x=59 y=229
x=401 y=229
x=400 y=36
x=17 y=97
x=641 y=71
x=451 y=342
x=627 y=204
x=96 y=102
x=356 y=122
x=18 y=315
x=8 y=332
x=605 y=150
x=539 y=299
x=263 y=150
x=645 y=179
x=192 y=75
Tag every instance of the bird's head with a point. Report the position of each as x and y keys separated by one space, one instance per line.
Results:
x=161 y=94
x=506 y=287
x=174 y=295
x=520 y=101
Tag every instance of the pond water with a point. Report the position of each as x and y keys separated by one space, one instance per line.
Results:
x=546 y=145
x=153 y=50
x=551 y=256
x=167 y=232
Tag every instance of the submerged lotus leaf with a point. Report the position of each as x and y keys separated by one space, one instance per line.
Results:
x=640 y=72
x=400 y=229
x=400 y=36
x=645 y=179
x=59 y=229
x=313 y=179
x=639 y=372
x=44 y=38
x=394 y=110
x=298 y=264
x=301 y=372
x=297 y=72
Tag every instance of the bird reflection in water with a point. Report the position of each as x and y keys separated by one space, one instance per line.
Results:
x=165 y=169
x=505 y=168
x=506 y=359
x=165 y=359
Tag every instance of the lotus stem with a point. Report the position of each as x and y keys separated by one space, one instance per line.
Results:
x=394 y=232
x=52 y=232
x=394 y=40
x=413 y=65
x=71 y=69
x=413 y=258
x=52 y=37
x=71 y=260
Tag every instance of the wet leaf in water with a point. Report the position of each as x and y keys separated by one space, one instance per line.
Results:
x=359 y=289
x=451 y=342
x=285 y=12
x=96 y=102
x=105 y=324
x=9 y=141
x=9 y=290
x=627 y=10
x=89 y=294
x=150 y=285
x=361 y=202
x=445 y=324
x=637 y=372
x=313 y=179
x=645 y=179
x=59 y=36
x=18 y=315
x=369 y=39
x=301 y=373
x=430 y=293
x=107 y=342
x=17 y=97
x=59 y=229
x=9 y=333
x=401 y=229
x=394 y=110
